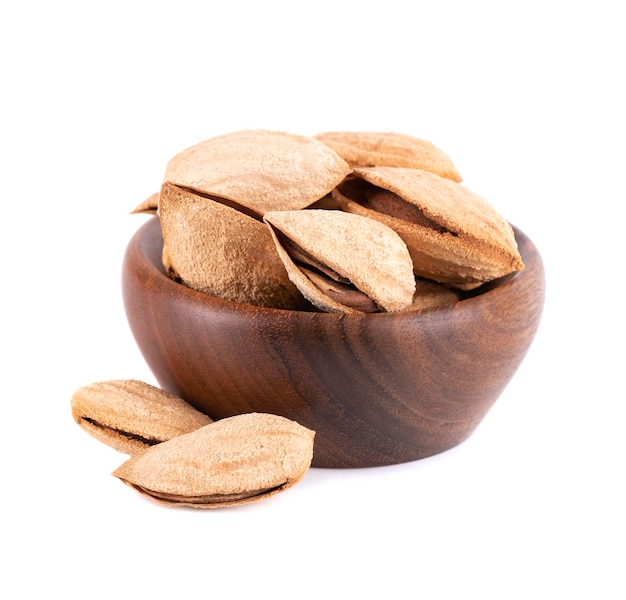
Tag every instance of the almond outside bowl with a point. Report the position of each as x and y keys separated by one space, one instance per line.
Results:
x=377 y=389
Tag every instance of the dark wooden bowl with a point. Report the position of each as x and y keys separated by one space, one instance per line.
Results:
x=378 y=389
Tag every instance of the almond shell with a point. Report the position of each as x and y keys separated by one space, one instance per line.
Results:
x=215 y=249
x=236 y=460
x=389 y=149
x=368 y=253
x=259 y=169
x=131 y=415
x=478 y=245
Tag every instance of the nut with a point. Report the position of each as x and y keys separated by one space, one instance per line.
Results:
x=376 y=149
x=430 y=294
x=453 y=235
x=343 y=262
x=260 y=170
x=149 y=206
x=131 y=415
x=218 y=250
x=233 y=461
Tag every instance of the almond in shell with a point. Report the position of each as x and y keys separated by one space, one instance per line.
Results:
x=233 y=461
x=216 y=249
x=430 y=294
x=454 y=236
x=149 y=206
x=260 y=170
x=343 y=262
x=389 y=149
x=131 y=415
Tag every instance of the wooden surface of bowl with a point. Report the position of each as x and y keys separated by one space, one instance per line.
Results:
x=377 y=389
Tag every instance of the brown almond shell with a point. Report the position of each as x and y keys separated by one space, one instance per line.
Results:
x=260 y=170
x=215 y=249
x=430 y=294
x=469 y=243
x=389 y=149
x=237 y=460
x=131 y=415
x=367 y=253
x=150 y=206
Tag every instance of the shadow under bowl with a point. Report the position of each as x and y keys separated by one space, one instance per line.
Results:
x=377 y=389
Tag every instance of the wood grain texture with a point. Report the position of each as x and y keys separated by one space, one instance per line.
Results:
x=378 y=389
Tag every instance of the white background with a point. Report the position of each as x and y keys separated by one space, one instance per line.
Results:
x=527 y=99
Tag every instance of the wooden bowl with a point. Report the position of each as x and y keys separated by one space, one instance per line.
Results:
x=377 y=389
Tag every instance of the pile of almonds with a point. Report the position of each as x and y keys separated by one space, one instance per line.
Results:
x=179 y=456
x=342 y=222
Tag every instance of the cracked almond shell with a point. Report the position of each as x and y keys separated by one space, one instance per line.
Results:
x=430 y=294
x=215 y=249
x=131 y=415
x=149 y=206
x=389 y=149
x=237 y=460
x=370 y=255
x=453 y=235
x=260 y=170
